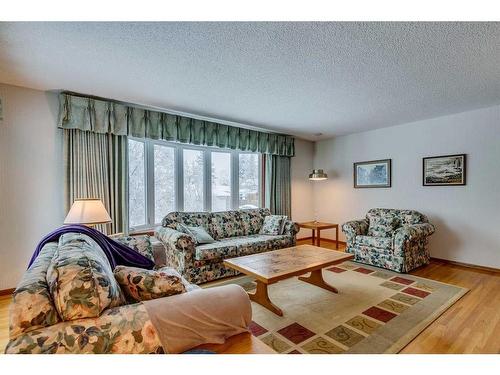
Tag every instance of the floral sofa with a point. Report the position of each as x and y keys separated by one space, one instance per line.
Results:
x=236 y=234
x=390 y=238
x=73 y=311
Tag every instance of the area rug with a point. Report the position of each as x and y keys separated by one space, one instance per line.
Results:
x=376 y=311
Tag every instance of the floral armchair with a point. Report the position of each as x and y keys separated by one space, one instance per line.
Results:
x=390 y=238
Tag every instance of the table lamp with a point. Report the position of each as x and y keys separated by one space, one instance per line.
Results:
x=87 y=211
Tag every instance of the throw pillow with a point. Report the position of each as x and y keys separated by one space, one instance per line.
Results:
x=80 y=279
x=382 y=226
x=140 y=284
x=272 y=224
x=200 y=235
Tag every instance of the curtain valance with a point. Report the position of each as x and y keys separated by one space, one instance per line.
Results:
x=99 y=116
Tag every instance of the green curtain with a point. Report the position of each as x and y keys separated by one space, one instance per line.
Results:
x=96 y=167
x=278 y=192
x=107 y=117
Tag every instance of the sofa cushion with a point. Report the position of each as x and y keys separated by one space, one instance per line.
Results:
x=383 y=226
x=378 y=242
x=140 y=284
x=80 y=279
x=191 y=219
x=226 y=224
x=240 y=246
x=273 y=225
x=141 y=244
x=32 y=306
x=408 y=217
x=252 y=220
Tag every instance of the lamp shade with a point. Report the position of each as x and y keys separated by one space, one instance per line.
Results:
x=87 y=211
x=318 y=175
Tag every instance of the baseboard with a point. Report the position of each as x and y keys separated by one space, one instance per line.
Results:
x=468 y=265
x=6 y=292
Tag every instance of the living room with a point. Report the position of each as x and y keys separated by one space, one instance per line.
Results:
x=250 y=187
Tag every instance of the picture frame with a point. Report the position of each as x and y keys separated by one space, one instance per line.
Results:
x=444 y=170
x=373 y=174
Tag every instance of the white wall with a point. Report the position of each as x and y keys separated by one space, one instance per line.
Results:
x=31 y=184
x=302 y=188
x=467 y=218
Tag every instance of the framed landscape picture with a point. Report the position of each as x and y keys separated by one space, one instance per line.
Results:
x=444 y=170
x=372 y=174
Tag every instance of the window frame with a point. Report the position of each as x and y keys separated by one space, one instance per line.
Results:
x=179 y=177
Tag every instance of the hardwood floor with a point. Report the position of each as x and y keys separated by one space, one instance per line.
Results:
x=472 y=325
x=4 y=321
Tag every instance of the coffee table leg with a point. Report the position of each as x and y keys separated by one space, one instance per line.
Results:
x=337 y=237
x=316 y=278
x=262 y=298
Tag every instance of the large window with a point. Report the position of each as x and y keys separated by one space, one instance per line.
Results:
x=249 y=181
x=193 y=180
x=137 y=183
x=164 y=181
x=167 y=176
x=221 y=181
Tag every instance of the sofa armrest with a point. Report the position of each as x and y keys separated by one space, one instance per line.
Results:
x=290 y=228
x=159 y=253
x=124 y=329
x=408 y=233
x=179 y=247
x=355 y=228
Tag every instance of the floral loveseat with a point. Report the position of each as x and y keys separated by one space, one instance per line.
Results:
x=390 y=238
x=55 y=311
x=236 y=234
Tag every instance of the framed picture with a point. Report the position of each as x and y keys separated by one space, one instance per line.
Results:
x=444 y=170
x=372 y=174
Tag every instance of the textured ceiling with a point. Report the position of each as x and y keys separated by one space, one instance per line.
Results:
x=298 y=78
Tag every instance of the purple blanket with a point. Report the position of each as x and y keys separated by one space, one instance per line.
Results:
x=116 y=252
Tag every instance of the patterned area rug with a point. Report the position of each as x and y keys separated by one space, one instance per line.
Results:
x=376 y=311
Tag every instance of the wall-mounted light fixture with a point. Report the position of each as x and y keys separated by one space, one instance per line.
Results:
x=318 y=175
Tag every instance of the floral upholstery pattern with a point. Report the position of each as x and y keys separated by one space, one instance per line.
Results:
x=124 y=329
x=252 y=220
x=191 y=219
x=35 y=325
x=382 y=226
x=272 y=224
x=226 y=224
x=354 y=228
x=378 y=242
x=142 y=285
x=80 y=279
x=32 y=307
x=236 y=232
x=142 y=244
x=240 y=246
x=404 y=250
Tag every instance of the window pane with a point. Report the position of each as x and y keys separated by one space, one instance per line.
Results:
x=193 y=180
x=221 y=181
x=137 y=183
x=164 y=181
x=249 y=181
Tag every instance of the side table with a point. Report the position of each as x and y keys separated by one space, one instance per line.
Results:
x=317 y=226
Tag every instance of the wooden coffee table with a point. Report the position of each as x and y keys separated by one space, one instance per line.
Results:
x=273 y=266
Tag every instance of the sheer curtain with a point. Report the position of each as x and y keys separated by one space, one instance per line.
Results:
x=278 y=185
x=96 y=167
